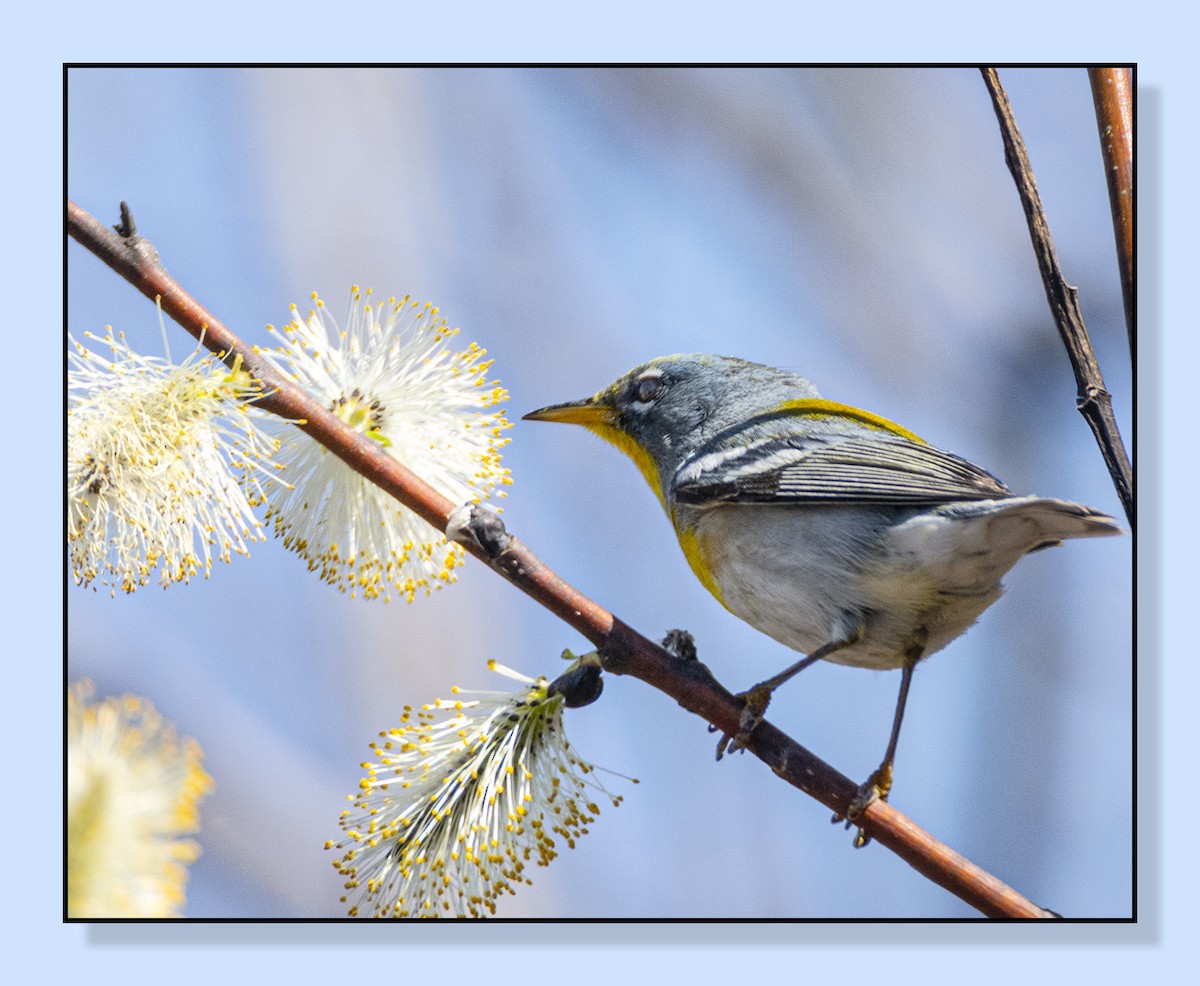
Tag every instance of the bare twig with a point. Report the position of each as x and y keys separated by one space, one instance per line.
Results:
x=622 y=650
x=1112 y=92
x=1092 y=399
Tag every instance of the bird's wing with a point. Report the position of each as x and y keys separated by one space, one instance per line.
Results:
x=831 y=469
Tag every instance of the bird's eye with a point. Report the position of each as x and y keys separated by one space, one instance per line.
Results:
x=648 y=386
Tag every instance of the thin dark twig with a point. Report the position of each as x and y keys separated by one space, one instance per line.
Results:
x=622 y=650
x=1092 y=399
x=1112 y=92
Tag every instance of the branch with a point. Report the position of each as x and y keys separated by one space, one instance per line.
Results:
x=622 y=650
x=1112 y=92
x=1092 y=399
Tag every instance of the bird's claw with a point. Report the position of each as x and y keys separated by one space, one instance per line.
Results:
x=875 y=788
x=754 y=708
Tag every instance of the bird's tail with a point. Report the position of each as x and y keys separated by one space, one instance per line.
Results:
x=1035 y=522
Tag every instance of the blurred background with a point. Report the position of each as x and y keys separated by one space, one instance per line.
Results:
x=856 y=225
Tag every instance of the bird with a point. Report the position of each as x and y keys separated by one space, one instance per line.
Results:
x=831 y=529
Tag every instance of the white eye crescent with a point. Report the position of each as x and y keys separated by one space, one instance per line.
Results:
x=648 y=386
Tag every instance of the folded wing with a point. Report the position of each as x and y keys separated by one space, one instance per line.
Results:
x=831 y=469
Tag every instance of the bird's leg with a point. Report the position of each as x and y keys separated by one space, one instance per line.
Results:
x=757 y=698
x=879 y=783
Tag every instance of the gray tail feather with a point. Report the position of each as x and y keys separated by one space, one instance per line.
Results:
x=1052 y=520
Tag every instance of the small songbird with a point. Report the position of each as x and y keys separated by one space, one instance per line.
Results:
x=831 y=529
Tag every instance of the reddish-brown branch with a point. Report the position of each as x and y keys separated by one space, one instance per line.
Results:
x=1092 y=399
x=1112 y=92
x=622 y=650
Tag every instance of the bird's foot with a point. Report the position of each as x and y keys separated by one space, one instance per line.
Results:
x=754 y=708
x=876 y=788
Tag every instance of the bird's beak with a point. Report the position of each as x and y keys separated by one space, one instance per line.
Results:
x=589 y=412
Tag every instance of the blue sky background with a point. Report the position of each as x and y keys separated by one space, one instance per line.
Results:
x=856 y=225
x=249 y=292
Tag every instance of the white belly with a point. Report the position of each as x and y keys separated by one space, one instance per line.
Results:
x=807 y=576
